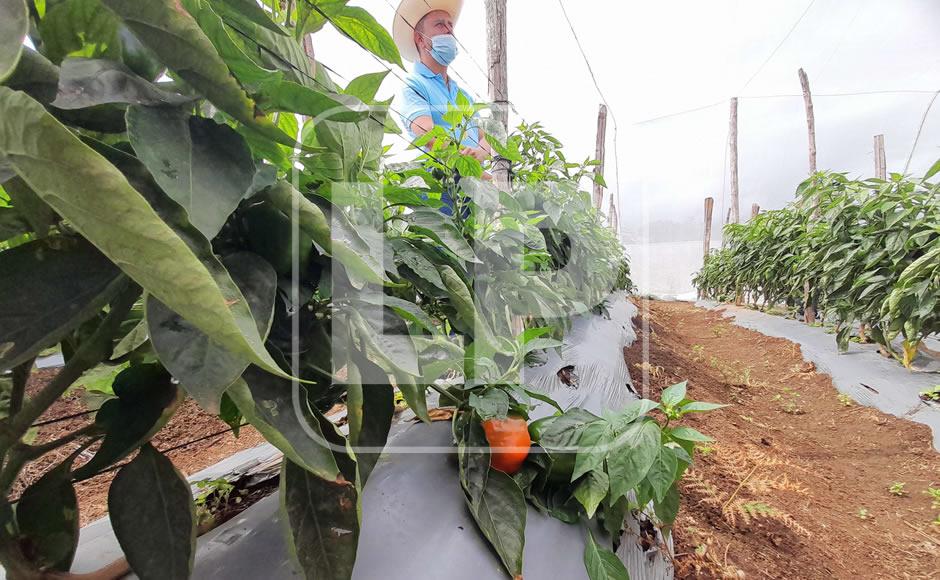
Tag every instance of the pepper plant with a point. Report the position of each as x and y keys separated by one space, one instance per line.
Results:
x=867 y=247
x=189 y=200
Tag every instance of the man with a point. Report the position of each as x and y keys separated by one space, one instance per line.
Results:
x=423 y=31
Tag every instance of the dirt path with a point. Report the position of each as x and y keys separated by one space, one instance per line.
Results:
x=797 y=484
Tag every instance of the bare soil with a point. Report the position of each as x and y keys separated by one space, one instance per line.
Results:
x=190 y=423
x=797 y=483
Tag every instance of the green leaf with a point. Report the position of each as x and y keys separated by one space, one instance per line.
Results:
x=203 y=166
x=40 y=216
x=674 y=395
x=154 y=518
x=631 y=456
x=146 y=399
x=12 y=224
x=365 y=31
x=602 y=564
x=252 y=10
x=667 y=509
x=387 y=338
x=322 y=522
x=407 y=310
x=700 y=407
x=492 y=404
x=86 y=82
x=204 y=368
x=47 y=517
x=177 y=40
x=311 y=14
x=689 y=434
x=417 y=262
x=364 y=87
x=934 y=169
x=590 y=457
x=14 y=24
x=278 y=409
x=46 y=291
x=370 y=402
x=441 y=228
x=79 y=28
x=47 y=155
x=500 y=514
x=592 y=490
x=662 y=473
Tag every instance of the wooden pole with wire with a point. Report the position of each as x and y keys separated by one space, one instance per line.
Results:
x=809 y=309
x=599 y=154
x=707 y=242
x=881 y=165
x=498 y=80
x=735 y=216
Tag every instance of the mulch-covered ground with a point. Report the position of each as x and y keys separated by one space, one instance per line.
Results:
x=797 y=483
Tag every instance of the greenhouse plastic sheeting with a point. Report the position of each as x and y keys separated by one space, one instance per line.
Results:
x=861 y=373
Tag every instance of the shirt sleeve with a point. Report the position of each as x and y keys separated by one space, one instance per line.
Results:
x=414 y=105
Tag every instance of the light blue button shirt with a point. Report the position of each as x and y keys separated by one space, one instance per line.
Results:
x=426 y=94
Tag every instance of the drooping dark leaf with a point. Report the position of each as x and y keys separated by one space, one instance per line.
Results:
x=253 y=12
x=47 y=290
x=389 y=343
x=501 y=513
x=79 y=28
x=493 y=403
x=322 y=522
x=12 y=224
x=667 y=509
x=203 y=166
x=14 y=24
x=278 y=409
x=228 y=412
x=37 y=214
x=202 y=366
x=440 y=228
x=592 y=490
x=170 y=32
x=601 y=563
x=154 y=517
x=47 y=517
x=47 y=155
x=86 y=82
x=370 y=404
x=146 y=399
x=35 y=75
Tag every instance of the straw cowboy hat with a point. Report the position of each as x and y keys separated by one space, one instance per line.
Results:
x=409 y=13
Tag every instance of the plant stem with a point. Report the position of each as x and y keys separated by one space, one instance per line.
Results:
x=444 y=393
x=89 y=354
x=20 y=377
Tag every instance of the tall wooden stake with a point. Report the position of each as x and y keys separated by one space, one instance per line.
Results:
x=881 y=165
x=810 y=120
x=735 y=208
x=809 y=310
x=599 y=154
x=707 y=243
x=499 y=80
x=755 y=210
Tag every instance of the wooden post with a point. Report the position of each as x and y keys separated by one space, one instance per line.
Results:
x=613 y=220
x=707 y=243
x=499 y=80
x=810 y=120
x=881 y=165
x=735 y=209
x=809 y=311
x=599 y=154
x=755 y=210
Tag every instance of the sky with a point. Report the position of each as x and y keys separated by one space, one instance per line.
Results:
x=658 y=58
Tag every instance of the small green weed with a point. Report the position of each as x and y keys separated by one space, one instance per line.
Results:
x=897 y=488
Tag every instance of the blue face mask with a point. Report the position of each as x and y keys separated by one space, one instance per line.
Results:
x=444 y=49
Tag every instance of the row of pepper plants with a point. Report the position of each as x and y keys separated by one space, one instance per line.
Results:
x=188 y=197
x=869 y=248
